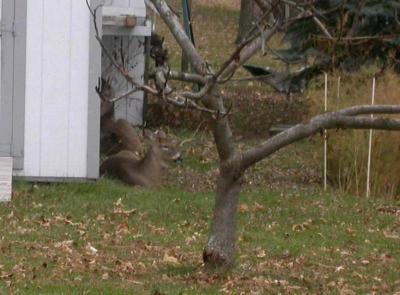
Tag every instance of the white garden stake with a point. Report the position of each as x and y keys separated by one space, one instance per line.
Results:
x=325 y=135
x=370 y=141
x=6 y=168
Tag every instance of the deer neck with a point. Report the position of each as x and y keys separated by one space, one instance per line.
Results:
x=107 y=122
x=152 y=164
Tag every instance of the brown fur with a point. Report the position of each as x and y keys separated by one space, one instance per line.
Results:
x=116 y=135
x=147 y=171
x=119 y=135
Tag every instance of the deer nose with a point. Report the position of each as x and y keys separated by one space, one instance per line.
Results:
x=178 y=158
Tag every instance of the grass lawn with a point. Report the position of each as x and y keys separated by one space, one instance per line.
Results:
x=106 y=238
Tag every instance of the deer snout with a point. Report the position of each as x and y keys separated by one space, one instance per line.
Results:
x=177 y=158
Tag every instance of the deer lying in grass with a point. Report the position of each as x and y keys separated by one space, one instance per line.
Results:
x=147 y=171
x=121 y=140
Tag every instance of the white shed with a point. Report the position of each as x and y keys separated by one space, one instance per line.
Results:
x=50 y=65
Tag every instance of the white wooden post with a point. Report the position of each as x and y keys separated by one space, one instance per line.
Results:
x=6 y=167
x=370 y=142
x=127 y=44
x=325 y=136
x=1 y=6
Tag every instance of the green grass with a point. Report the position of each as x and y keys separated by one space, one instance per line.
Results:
x=301 y=242
x=107 y=238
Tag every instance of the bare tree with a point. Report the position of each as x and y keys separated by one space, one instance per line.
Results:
x=220 y=249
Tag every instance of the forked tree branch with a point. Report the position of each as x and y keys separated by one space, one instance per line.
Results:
x=341 y=119
x=246 y=49
x=237 y=58
x=196 y=60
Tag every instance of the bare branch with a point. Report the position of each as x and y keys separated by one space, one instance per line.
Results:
x=316 y=20
x=396 y=16
x=122 y=96
x=183 y=99
x=162 y=77
x=252 y=40
x=370 y=109
x=340 y=119
x=186 y=77
x=183 y=40
x=239 y=57
x=183 y=102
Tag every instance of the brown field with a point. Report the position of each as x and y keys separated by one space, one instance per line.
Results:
x=231 y=4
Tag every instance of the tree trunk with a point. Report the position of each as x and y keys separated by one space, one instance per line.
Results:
x=247 y=9
x=220 y=250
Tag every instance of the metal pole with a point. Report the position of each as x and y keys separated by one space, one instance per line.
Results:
x=326 y=136
x=370 y=142
x=338 y=90
x=187 y=23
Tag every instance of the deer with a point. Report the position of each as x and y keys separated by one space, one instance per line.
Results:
x=121 y=140
x=116 y=135
x=147 y=171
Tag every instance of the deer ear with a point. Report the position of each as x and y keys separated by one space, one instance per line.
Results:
x=161 y=134
x=148 y=134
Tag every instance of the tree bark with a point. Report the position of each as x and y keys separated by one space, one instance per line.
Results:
x=247 y=9
x=220 y=250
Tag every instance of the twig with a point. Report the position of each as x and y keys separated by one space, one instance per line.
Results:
x=308 y=13
x=115 y=99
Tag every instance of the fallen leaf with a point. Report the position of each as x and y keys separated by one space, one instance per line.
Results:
x=100 y=217
x=244 y=208
x=259 y=208
x=170 y=259
x=339 y=268
x=91 y=250
x=390 y=235
x=261 y=254
x=365 y=262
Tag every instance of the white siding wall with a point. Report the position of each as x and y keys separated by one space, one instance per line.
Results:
x=132 y=47
x=57 y=89
x=130 y=108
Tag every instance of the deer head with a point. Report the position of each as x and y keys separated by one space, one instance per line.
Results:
x=166 y=148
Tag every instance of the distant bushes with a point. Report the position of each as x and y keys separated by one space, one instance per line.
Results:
x=250 y=113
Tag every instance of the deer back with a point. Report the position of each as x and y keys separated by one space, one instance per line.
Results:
x=147 y=171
